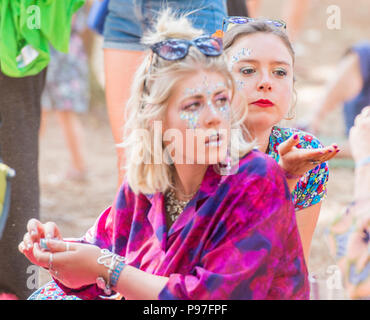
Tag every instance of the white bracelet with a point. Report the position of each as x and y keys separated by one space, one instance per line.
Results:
x=103 y=259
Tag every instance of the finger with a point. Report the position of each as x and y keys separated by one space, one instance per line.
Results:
x=28 y=242
x=36 y=229
x=41 y=258
x=59 y=246
x=287 y=145
x=51 y=230
x=22 y=247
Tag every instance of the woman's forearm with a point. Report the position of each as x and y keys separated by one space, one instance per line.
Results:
x=135 y=284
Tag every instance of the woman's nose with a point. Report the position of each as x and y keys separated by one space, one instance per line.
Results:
x=212 y=115
x=264 y=83
x=264 y=86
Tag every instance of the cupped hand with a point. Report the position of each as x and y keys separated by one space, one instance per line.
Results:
x=73 y=264
x=35 y=232
x=296 y=162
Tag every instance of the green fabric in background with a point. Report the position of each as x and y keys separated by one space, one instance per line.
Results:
x=28 y=27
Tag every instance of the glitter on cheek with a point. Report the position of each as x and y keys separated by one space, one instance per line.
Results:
x=191 y=117
x=239 y=85
x=225 y=110
x=212 y=107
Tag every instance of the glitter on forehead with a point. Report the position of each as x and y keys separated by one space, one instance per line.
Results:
x=205 y=87
x=243 y=52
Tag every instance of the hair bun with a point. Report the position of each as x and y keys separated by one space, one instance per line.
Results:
x=171 y=25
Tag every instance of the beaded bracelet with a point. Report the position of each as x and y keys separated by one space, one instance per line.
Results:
x=116 y=273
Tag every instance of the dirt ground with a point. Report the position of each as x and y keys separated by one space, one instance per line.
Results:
x=75 y=206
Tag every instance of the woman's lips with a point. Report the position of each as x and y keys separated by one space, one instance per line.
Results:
x=264 y=103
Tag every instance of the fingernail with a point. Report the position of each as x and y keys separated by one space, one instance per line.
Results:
x=330 y=151
x=335 y=146
x=295 y=137
x=337 y=150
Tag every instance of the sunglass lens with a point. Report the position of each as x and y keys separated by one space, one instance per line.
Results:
x=209 y=46
x=172 y=50
x=238 y=20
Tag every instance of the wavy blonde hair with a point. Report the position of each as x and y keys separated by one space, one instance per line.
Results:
x=152 y=87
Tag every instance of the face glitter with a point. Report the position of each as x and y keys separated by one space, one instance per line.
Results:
x=191 y=117
x=244 y=52
x=207 y=89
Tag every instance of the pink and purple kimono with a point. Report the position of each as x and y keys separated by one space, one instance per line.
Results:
x=236 y=239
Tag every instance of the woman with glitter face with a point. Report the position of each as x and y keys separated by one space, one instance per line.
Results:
x=195 y=193
x=261 y=59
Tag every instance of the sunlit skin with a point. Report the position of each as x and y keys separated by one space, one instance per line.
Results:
x=266 y=83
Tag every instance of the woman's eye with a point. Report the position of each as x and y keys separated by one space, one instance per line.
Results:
x=280 y=72
x=221 y=101
x=192 y=106
x=247 y=70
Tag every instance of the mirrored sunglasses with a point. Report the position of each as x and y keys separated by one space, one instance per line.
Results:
x=243 y=20
x=176 y=49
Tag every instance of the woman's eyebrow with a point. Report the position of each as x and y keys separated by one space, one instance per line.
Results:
x=272 y=62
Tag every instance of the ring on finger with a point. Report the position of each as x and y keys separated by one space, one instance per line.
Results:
x=67 y=246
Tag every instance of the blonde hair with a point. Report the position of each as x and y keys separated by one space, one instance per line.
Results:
x=152 y=86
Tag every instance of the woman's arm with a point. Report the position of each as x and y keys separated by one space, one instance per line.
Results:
x=346 y=84
x=306 y=222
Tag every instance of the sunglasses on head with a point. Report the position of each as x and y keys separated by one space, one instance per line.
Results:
x=176 y=49
x=243 y=20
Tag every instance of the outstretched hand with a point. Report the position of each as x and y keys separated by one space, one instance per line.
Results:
x=296 y=162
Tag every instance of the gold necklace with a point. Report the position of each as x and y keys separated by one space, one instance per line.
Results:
x=174 y=206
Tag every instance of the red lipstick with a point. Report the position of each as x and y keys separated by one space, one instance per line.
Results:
x=264 y=103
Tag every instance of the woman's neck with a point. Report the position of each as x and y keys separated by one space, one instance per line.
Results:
x=262 y=136
x=187 y=179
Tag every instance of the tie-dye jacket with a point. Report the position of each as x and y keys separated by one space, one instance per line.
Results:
x=236 y=239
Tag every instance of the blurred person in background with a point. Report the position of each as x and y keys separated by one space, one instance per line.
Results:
x=348 y=88
x=349 y=234
x=67 y=94
x=293 y=13
x=24 y=55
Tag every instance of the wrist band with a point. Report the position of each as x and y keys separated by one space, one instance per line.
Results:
x=363 y=162
x=112 y=266
x=116 y=273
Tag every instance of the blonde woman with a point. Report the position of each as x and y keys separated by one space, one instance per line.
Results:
x=204 y=195
x=261 y=59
